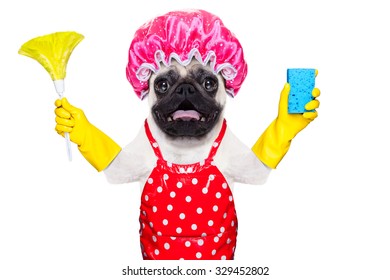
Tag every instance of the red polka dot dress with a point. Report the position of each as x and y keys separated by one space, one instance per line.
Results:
x=187 y=210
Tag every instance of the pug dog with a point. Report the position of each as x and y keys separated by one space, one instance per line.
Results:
x=185 y=156
x=187 y=101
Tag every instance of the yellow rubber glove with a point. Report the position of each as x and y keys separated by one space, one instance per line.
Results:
x=274 y=143
x=99 y=149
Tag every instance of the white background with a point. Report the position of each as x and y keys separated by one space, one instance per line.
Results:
x=323 y=214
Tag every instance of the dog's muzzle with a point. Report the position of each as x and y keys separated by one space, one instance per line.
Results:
x=186 y=113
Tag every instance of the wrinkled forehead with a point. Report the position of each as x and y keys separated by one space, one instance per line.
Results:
x=182 y=70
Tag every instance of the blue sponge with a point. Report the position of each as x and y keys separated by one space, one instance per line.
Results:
x=301 y=82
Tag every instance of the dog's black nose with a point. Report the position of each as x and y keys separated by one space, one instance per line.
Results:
x=185 y=90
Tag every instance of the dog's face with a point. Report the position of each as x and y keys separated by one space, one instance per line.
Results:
x=186 y=101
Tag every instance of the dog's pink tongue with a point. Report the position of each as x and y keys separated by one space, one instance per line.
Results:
x=186 y=115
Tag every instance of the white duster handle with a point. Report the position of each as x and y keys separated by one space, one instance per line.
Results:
x=60 y=88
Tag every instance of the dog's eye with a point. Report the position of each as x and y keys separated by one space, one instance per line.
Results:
x=209 y=84
x=161 y=86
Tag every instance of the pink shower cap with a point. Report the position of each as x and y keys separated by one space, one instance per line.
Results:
x=184 y=35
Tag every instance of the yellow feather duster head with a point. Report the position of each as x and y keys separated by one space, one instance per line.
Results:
x=52 y=51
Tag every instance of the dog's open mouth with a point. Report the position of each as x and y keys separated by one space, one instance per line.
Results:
x=187 y=119
x=186 y=112
x=186 y=115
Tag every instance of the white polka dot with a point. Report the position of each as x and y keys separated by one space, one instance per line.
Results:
x=200 y=242
x=188 y=198
x=218 y=195
x=155 y=145
x=194 y=181
x=170 y=207
x=154 y=209
x=215 y=144
x=159 y=189
x=165 y=177
x=194 y=226
x=216 y=239
x=187 y=244
x=151 y=224
x=173 y=237
x=204 y=234
x=228 y=241
x=215 y=208
x=165 y=222
x=172 y=194
x=146 y=197
x=230 y=198
x=143 y=225
x=154 y=238
x=225 y=215
x=159 y=233
x=144 y=212
x=213 y=252
x=179 y=230
x=232 y=223
x=156 y=252
x=210 y=223
x=167 y=246
x=189 y=170
x=182 y=216
x=182 y=170
x=222 y=229
x=179 y=185
x=181 y=259
x=199 y=210
x=198 y=255
x=150 y=180
x=224 y=186
x=205 y=190
x=223 y=257
x=211 y=177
